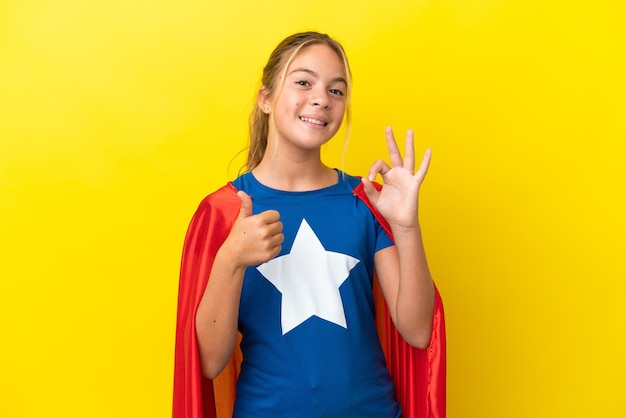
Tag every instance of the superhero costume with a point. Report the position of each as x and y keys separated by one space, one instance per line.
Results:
x=419 y=375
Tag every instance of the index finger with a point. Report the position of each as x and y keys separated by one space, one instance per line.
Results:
x=394 y=153
x=269 y=216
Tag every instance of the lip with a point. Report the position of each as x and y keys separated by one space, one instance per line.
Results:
x=314 y=120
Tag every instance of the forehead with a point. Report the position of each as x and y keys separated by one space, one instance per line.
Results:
x=320 y=59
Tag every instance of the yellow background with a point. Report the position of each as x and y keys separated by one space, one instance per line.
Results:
x=117 y=117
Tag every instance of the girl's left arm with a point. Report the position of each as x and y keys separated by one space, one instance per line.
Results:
x=402 y=269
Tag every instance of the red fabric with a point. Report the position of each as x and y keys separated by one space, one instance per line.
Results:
x=419 y=375
x=209 y=227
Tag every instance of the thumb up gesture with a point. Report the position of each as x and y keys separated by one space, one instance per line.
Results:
x=254 y=239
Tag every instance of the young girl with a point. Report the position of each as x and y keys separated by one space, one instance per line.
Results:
x=286 y=255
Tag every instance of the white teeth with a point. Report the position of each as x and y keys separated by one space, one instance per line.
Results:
x=315 y=121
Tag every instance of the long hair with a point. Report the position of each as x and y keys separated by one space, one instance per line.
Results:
x=275 y=70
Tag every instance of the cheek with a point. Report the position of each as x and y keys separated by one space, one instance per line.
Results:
x=340 y=109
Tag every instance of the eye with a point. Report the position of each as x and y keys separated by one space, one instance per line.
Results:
x=336 y=92
x=303 y=83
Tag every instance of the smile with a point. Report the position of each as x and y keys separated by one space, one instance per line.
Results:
x=314 y=121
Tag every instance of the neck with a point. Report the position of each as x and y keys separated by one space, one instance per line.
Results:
x=294 y=175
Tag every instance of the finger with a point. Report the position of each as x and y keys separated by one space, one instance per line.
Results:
x=394 y=153
x=246 y=205
x=277 y=240
x=274 y=228
x=370 y=190
x=276 y=234
x=421 y=173
x=274 y=252
x=379 y=166
x=409 y=152
x=270 y=217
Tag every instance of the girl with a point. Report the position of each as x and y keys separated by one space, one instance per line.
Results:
x=286 y=255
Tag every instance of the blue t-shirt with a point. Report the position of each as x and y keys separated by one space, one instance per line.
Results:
x=310 y=347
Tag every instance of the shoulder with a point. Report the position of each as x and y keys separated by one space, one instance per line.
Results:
x=222 y=201
x=359 y=192
x=213 y=218
x=221 y=195
x=351 y=182
x=355 y=184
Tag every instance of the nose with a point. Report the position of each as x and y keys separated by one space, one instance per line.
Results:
x=321 y=98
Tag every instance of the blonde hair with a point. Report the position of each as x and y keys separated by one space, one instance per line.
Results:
x=275 y=70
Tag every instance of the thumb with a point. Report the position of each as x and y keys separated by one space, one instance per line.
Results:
x=246 y=205
x=370 y=190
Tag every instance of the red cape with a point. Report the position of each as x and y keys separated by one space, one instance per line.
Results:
x=419 y=375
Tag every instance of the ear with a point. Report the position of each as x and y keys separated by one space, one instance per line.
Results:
x=264 y=100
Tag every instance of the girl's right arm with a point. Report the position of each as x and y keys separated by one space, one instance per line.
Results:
x=254 y=239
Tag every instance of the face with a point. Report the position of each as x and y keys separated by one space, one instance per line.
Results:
x=308 y=109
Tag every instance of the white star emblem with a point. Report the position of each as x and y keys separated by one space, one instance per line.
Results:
x=308 y=279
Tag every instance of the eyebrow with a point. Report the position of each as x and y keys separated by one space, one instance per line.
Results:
x=314 y=74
